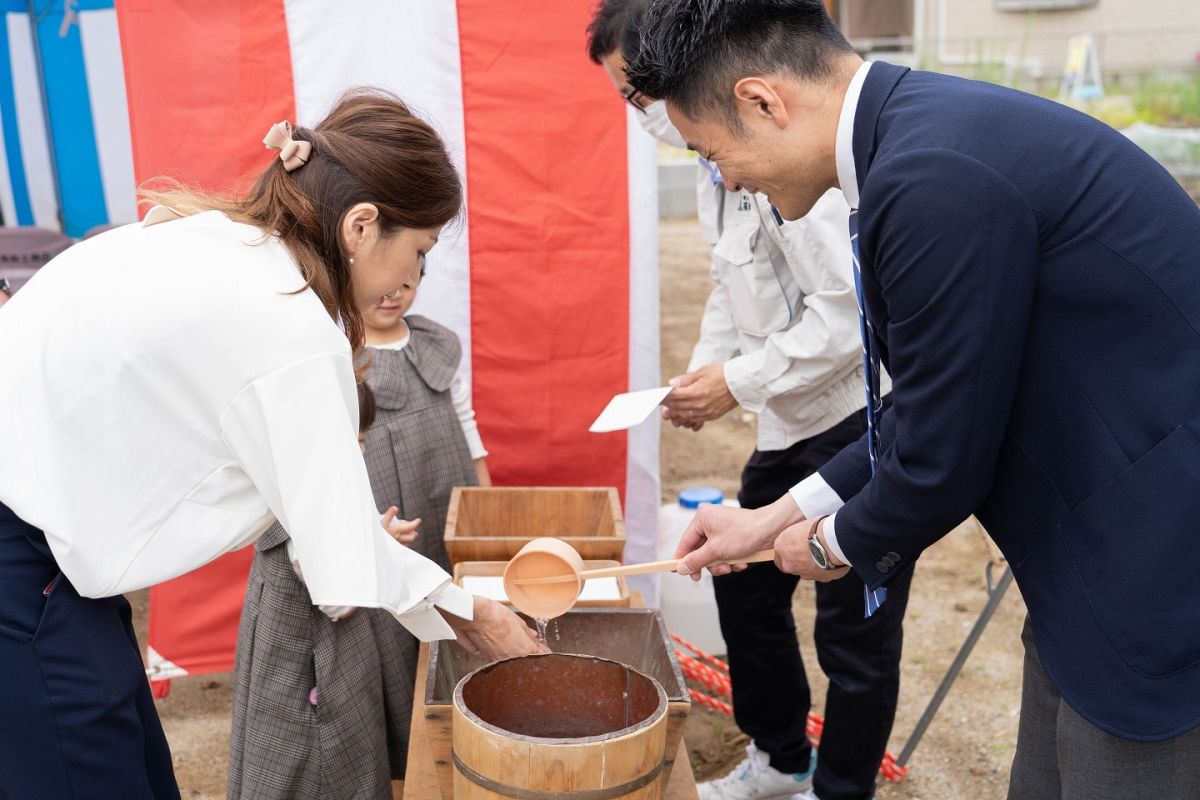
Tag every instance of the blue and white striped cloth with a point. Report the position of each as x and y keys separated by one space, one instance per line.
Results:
x=65 y=155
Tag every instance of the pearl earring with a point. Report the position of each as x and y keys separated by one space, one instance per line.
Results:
x=352 y=261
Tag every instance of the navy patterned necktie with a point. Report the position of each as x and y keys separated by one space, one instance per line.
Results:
x=871 y=379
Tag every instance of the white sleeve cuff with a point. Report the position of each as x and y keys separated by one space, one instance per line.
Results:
x=828 y=529
x=423 y=620
x=336 y=612
x=474 y=442
x=814 y=497
x=743 y=377
x=453 y=599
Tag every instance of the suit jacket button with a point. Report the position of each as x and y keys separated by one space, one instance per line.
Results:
x=883 y=567
x=895 y=557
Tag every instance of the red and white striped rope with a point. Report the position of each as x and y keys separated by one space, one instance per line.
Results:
x=713 y=673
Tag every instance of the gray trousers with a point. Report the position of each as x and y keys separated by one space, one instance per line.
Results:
x=1062 y=756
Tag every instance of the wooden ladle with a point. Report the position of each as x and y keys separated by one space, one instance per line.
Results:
x=545 y=577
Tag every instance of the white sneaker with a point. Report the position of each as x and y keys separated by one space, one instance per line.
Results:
x=756 y=779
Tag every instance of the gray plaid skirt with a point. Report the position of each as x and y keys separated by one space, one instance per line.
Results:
x=363 y=667
x=321 y=708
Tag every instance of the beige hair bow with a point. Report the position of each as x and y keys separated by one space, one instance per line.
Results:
x=293 y=153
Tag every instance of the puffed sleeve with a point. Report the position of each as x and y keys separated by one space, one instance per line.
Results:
x=293 y=431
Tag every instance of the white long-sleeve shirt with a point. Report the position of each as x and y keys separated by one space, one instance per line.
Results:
x=169 y=394
x=782 y=316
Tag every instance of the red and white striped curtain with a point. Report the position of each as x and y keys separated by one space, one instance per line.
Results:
x=551 y=279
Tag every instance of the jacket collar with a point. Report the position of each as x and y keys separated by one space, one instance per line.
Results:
x=877 y=88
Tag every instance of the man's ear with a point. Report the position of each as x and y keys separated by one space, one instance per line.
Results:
x=759 y=99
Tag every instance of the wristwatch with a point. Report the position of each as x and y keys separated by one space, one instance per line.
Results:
x=816 y=549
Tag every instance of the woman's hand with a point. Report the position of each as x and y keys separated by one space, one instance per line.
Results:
x=495 y=632
x=401 y=530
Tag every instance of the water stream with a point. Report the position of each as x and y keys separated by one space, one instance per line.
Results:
x=543 y=625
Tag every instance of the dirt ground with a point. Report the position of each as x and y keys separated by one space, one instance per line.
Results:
x=965 y=753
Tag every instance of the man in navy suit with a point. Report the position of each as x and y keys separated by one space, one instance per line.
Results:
x=1031 y=281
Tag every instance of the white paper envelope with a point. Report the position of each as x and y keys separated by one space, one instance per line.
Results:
x=629 y=409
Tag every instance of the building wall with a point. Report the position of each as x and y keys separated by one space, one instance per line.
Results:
x=1133 y=37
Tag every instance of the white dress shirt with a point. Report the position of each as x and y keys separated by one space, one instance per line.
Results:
x=813 y=495
x=170 y=392
x=782 y=316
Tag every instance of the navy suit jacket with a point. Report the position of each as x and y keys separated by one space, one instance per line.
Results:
x=1034 y=283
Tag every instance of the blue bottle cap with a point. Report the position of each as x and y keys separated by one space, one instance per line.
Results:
x=696 y=496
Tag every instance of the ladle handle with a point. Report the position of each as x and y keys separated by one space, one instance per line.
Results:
x=670 y=565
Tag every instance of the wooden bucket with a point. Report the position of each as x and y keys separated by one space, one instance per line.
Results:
x=559 y=727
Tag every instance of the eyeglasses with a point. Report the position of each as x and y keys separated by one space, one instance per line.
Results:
x=636 y=99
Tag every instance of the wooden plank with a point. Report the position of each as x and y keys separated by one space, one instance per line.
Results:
x=682 y=783
x=420 y=776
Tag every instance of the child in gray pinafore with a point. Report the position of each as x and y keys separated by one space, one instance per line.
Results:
x=322 y=707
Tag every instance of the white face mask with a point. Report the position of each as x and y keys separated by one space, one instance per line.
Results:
x=656 y=123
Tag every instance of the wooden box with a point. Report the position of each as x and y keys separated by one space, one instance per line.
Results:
x=634 y=636
x=492 y=524
x=495 y=569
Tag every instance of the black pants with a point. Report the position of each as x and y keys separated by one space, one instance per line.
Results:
x=860 y=656
x=76 y=716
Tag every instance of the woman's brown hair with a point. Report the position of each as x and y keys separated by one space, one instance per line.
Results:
x=366 y=407
x=370 y=149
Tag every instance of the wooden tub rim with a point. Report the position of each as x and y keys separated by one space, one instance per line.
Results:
x=659 y=713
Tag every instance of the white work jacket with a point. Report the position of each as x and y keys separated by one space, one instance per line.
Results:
x=783 y=316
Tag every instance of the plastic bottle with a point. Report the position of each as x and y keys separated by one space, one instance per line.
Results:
x=689 y=607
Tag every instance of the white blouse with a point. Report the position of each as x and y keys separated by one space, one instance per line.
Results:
x=169 y=390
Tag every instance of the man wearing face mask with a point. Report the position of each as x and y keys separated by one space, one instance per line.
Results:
x=779 y=337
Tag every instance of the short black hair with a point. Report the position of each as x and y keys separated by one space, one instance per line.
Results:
x=693 y=52
x=366 y=407
x=614 y=26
